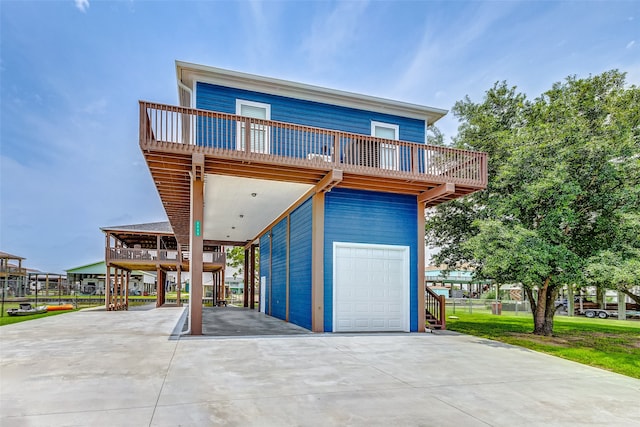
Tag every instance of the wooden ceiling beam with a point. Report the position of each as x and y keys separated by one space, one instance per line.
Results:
x=437 y=193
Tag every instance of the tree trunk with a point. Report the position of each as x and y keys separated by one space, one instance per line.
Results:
x=600 y=298
x=543 y=309
x=631 y=295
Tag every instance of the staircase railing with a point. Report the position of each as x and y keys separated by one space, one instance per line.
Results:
x=434 y=305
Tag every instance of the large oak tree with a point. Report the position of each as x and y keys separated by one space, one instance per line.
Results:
x=564 y=173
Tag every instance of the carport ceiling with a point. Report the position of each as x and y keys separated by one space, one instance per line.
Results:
x=237 y=209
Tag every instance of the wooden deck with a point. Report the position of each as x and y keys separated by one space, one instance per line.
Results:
x=265 y=149
x=151 y=259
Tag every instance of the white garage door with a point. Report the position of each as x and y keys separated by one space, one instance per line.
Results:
x=370 y=287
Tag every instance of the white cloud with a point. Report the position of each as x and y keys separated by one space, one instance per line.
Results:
x=331 y=34
x=82 y=5
x=631 y=44
x=442 y=51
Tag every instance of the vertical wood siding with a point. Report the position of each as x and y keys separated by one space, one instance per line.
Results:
x=279 y=270
x=357 y=216
x=310 y=113
x=265 y=262
x=300 y=238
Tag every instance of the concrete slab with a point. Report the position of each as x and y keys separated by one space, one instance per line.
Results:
x=240 y=321
x=123 y=368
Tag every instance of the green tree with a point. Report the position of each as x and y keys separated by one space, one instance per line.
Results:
x=618 y=267
x=235 y=259
x=563 y=172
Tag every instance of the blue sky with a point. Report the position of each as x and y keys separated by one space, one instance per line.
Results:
x=71 y=73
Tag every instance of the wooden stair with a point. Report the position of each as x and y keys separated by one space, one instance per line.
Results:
x=432 y=322
x=434 y=308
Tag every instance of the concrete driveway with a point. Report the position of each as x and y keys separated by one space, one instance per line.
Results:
x=96 y=368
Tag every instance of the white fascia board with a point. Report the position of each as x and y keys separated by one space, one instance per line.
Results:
x=189 y=73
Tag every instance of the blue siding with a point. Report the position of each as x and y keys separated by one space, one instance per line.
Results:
x=265 y=262
x=300 y=235
x=279 y=270
x=357 y=216
x=309 y=113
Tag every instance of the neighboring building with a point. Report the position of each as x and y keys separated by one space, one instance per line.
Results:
x=152 y=247
x=47 y=284
x=90 y=280
x=235 y=285
x=331 y=186
x=458 y=283
x=13 y=276
x=18 y=281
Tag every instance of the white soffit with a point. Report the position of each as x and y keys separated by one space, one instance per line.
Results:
x=232 y=212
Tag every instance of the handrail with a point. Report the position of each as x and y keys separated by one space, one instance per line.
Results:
x=13 y=270
x=434 y=304
x=272 y=141
x=160 y=255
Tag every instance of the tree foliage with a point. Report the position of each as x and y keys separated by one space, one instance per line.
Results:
x=235 y=259
x=618 y=267
x=564 y=176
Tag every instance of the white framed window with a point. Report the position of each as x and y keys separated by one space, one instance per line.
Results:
x=259 y=134
x=389 y=153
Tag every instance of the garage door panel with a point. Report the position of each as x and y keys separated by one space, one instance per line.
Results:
x=378 y=323
x=371 y=286
x=344 y=325
x=394 y=308
x=378 y=293
x=377 y=308
x=394 y=324
x=361 y=308
x=394 y=293
x=394 y=255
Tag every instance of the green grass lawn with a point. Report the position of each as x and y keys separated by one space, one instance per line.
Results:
x=609 y=344
x=8 y=320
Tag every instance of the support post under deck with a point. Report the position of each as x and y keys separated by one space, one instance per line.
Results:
x=196 y=242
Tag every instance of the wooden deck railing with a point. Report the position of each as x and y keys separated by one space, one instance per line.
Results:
x=161 y=256
x=11 y=270
x=290 y=144
x=434 y=305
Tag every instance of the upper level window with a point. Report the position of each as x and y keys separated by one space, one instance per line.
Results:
x=388 y=152
x=258 y=133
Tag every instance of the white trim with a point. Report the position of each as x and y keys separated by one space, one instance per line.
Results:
x=396 y=128
x=265 y=129
x=406 y=279
x=188 y=73
x=391 y=147
x=241 y=102
x=194 y=98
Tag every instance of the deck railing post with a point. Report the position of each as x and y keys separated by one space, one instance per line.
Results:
x=336 y=148
x=143 y=123
x=443 y=311
x=247 y=135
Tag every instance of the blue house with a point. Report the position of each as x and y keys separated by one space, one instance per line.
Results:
x=330 y=185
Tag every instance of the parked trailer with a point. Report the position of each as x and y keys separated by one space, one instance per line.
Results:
x=603 y=314
x=599 y=312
